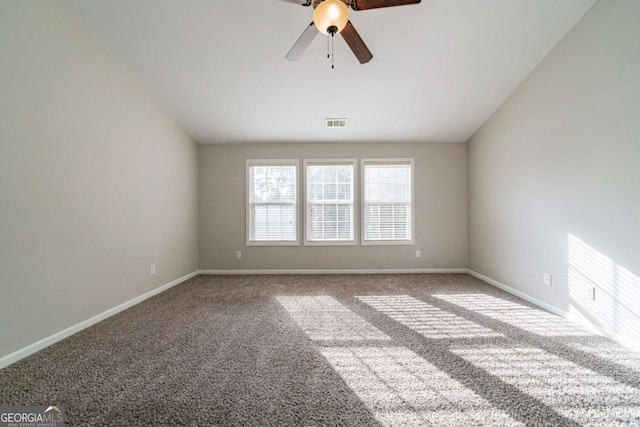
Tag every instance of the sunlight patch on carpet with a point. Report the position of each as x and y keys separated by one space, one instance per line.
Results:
x=578 y=393
x=426 y=319
x=610 y=351
x=523 y=317
x=401 y=388
x=323 y=318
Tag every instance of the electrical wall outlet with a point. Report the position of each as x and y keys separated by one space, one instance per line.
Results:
x=238 y=254
x=152 y=269
x=418 y=253
x=547 y=279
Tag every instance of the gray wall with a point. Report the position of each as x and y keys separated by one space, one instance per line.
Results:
x=441 y=209
x=96 y=183
x=554 y=176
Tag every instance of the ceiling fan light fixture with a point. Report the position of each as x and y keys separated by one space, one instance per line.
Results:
x=331 y=15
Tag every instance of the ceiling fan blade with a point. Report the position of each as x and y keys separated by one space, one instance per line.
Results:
x=355 y=42
x=298 y=2
x=375 y=4
x=303 y=42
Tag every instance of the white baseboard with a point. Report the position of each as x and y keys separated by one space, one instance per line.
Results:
x=345 y=271
x=46 y=342
x=59 y=336
x=573 y=317
x=526 y=297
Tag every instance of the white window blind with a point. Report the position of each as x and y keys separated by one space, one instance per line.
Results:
x=387 y=204
x=272 y=203
x=330 y=201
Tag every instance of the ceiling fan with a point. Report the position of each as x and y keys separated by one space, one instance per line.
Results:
x=331 y=17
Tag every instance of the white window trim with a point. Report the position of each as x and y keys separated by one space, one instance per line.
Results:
x=411 y=241
x=271 y=162
x=353 y=242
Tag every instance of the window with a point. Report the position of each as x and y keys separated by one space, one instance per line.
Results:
x=330 y=202
x=387 y=208
x=272 y=202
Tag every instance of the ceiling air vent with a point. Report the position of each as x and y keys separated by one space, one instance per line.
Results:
x=336 y=123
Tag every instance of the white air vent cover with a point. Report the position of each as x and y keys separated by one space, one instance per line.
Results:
x=336 y=123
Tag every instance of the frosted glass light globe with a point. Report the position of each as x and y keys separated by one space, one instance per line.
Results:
x=331 y=13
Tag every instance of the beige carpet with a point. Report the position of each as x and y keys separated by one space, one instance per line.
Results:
x=434 y=350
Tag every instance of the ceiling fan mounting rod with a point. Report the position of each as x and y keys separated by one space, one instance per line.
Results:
x=317 y=2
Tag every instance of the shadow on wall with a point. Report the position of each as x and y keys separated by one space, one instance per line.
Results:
x=603 y=292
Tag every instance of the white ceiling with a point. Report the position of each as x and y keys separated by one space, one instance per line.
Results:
x=440 y=68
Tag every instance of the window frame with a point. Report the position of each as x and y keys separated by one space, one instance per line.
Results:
x=248 y=204
x=363 y=203
x=354 y=202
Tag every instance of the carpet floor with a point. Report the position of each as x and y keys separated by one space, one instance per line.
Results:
x=305 y=350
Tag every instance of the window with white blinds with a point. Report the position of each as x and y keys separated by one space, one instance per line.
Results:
x=272 y=202
x=387 y=207
x=330 y=188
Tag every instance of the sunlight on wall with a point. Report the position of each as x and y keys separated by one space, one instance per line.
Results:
x=324 y=318
x=571 y=390
x=426 y=319
x=532 y=320
x=401 y=388
x=617 y=290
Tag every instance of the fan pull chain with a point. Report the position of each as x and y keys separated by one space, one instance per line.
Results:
x=332 y=30
x=328 y=56
x=332 y=51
